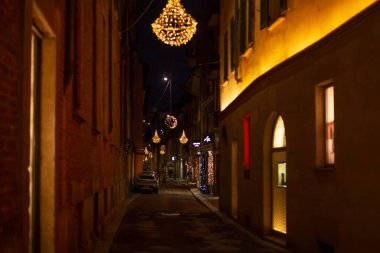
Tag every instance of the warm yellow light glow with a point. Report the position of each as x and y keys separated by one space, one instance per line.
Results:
x=211 y=170
x=174 y=26
x=162 y=149
x=279 y=138
x=183 y=138
x=329 y=121
x=146 y=152
x=289 y=37
x=32 y=152
x=329 y=104
x=156 y=138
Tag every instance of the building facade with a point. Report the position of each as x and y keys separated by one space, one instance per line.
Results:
x=202 y=107
x=67 y=131
x=296 y=166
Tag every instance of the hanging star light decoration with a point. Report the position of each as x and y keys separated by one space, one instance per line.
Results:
x=183 y=138
x=156 y=138
x=174 y=26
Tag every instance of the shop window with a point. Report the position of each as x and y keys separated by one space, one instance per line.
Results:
x=281 y=174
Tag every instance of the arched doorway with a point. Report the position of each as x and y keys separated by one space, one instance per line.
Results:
x=278 y=178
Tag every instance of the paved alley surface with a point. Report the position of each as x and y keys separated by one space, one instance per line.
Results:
x=175 y=221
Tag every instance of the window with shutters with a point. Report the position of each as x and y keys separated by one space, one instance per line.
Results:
x=271 y=10
x=225 y=57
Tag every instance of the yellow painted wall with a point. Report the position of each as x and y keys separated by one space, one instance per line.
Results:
x=337 y=206
x=304 y=23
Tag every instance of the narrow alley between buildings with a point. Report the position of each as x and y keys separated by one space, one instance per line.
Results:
x=178 y=220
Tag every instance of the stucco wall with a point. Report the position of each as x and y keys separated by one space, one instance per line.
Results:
x=339 y=206
x=303 y=24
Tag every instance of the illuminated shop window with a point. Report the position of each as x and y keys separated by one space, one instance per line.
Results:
x=329 y=125
x=279 y=138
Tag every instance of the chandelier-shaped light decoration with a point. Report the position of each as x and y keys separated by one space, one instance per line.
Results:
x=170 y=121
x=156 y=138
x=174 y=26
x=183 y=138
x=146 y=152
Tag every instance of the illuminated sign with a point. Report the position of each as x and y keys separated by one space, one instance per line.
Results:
x=196 y=144
x=207 y=139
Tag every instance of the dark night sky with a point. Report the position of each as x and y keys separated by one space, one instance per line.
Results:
x=161 y=59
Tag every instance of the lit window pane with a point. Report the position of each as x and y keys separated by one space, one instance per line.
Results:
x=329 y=119
x=279 y=138
x=329 y=93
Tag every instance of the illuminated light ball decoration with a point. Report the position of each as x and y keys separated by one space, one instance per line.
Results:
x=203 y=175
x=170 y=121
x=174 y=26
x=211 y=170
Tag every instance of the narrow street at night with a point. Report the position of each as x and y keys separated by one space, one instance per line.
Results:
x=170 y=126
x=176 y=221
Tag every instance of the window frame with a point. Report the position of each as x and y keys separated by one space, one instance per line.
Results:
x=268 y=8
x=325 y=123
x=320 y=126
x=225 y=57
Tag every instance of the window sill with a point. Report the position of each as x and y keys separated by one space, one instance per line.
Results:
x=276 y=23
x=247 y=53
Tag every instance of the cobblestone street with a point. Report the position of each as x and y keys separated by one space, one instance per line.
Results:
x=175 y=221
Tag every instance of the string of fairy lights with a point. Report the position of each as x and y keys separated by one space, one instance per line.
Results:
x=174 y=26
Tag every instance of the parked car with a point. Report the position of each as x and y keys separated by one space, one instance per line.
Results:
x=147 y=180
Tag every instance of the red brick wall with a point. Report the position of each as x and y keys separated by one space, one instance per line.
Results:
x=92 y=156
x=90 y=160
x=12 y=194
